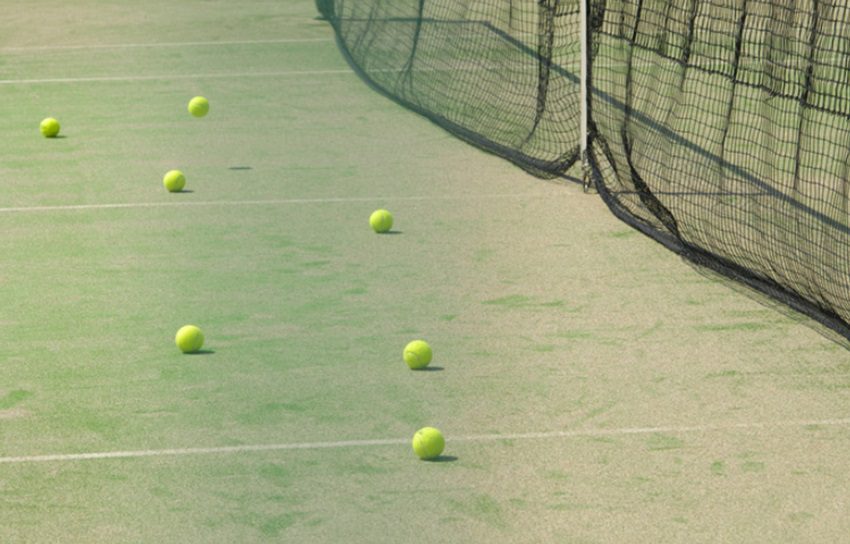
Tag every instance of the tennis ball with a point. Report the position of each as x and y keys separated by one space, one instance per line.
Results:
x=189 y=339
x=199 y=106
x=381 y=221
x=50 y=127
x=428 y=443
x=174 y=181
x=417 y=354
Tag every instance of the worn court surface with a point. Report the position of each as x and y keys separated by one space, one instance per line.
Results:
x=639 y=401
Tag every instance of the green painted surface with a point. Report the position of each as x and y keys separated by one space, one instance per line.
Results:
x=544 y=314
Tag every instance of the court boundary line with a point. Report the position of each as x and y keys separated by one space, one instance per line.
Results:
x=74 y=47
x=577 y=433
x=268 y=202
x=226 y=75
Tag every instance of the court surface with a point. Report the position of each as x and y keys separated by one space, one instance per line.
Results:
x=592 y=387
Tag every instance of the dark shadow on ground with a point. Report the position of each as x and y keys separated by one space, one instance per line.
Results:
x=442 y=459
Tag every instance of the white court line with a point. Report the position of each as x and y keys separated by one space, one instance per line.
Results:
x=271 y=202
x=226 y=75
x=131 y=454
x=176 y=76
x=163 y=44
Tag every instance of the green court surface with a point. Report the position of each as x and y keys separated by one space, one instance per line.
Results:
x=591 y=386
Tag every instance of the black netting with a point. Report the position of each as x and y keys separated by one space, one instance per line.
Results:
x=719 y=127
x=502 y=74
x=722 y=129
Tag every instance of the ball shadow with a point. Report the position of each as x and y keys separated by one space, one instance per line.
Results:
x=239 y=168
x=201 y=352
x=442 y=459
x=391 y=233
x=429 y=369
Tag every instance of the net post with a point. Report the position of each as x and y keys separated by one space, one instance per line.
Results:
x=586 y=37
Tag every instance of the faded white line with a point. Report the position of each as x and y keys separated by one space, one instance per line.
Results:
x=71 y=47
x=672 y=429
x=172 y=77
x=270 y=202
x=578 y=433
x=169 y=77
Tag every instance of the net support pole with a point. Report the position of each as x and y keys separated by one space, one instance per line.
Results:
x=586 y=36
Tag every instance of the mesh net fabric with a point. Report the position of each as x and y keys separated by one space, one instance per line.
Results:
x=721 y=128
x=502 y=74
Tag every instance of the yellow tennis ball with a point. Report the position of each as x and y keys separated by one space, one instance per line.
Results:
x=199 y=106
x=174 y=181
x=428 y=443
x=189 y=339
x=417 y=354
x=49 y=127
x=381 y=221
